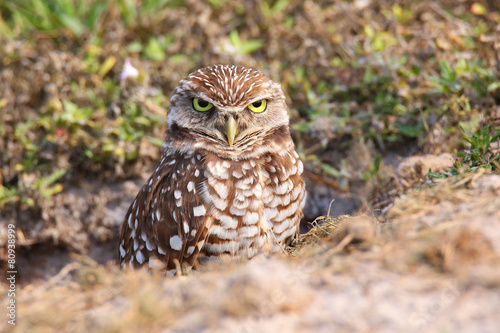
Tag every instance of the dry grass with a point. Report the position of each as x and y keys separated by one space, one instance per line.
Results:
x=438 y=245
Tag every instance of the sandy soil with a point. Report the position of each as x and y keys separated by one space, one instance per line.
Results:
x=430 y=265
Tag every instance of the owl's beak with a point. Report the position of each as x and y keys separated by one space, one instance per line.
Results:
x=231 y=130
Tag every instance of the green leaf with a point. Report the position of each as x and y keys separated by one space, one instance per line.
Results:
x=156 y=141
x=301 y=127
x=250 y=46
x=234 y=38
x=134 y=47
x=493 y=86
x=71 y=22
x=329 y=170
x=246 y=47
x=52 y=178
x=142 y=120
x=128 y=11
x=411 y=131
x=280 y=6
x=95 y=13
x=154 y=50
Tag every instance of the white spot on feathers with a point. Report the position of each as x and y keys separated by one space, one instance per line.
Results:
x=122 y=251
x=139 y=257
x=176 y=243
x=199 y=210
x=149 y=246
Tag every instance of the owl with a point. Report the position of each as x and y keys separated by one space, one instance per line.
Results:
x=229 y=179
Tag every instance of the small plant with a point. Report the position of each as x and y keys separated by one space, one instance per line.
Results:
x=374 y=169
x=244 y=47
x=48 y=186
x=471 y=75
x=28 y=190
x=484 y=152
x=481 y=153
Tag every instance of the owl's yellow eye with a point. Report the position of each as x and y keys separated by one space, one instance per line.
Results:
x=259 y=106
x=201 y=105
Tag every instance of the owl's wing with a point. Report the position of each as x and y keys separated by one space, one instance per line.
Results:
x=284 y=195
x=168 y=219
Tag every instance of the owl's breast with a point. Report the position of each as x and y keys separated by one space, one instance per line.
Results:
x=233 y=192
x=246 y=198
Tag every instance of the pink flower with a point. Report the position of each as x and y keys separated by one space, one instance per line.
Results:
x=128 y=71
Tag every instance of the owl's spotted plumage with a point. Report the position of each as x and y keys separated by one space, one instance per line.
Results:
x=229 y=180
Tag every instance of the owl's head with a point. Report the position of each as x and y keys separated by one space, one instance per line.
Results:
x=230 y=110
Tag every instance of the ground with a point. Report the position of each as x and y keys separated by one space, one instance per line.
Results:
x=393 y=109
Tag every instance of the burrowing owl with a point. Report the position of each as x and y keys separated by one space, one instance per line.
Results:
x=229 y=179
